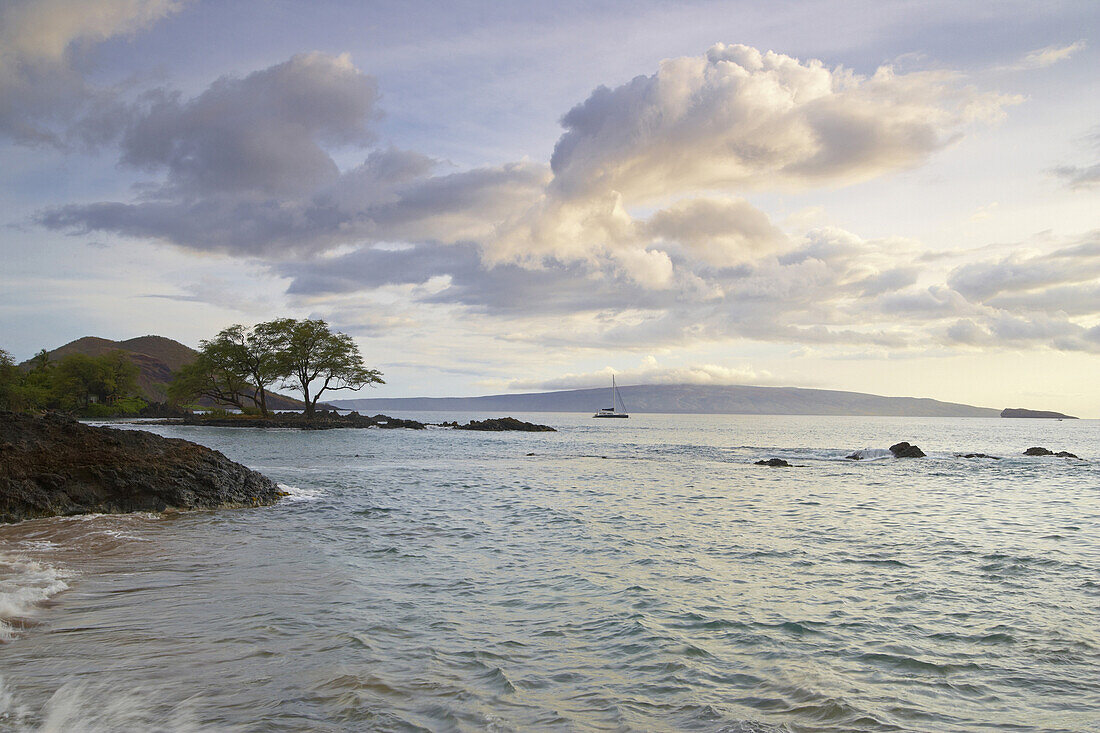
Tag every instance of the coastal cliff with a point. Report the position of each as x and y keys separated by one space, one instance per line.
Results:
x=53 y=465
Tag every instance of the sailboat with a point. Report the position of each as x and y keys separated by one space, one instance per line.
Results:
x=615 y=400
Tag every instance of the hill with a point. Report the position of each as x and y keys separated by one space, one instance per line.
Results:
x=157 y=358
x=687 y=398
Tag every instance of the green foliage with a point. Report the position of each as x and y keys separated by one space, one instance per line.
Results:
x=10 y=383
x=310 y=352
x=75 y=382
x=238 y=364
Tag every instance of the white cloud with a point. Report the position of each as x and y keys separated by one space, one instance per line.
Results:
x=649 y=372
x=736 y=118
x=1047 y=56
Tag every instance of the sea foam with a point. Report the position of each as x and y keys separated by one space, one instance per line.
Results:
x=24 y=584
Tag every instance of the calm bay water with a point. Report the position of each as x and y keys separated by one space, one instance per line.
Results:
x=629 y=575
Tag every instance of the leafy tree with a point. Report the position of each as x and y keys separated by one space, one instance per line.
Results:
x=10 y=383
x=253 y=352
x=78 y=378
x=239 y=363
x=209 y=375
x=119 y=376
x=38 y=382
x=309 y=352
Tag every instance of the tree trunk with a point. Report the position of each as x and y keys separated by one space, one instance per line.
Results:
x=305 y=398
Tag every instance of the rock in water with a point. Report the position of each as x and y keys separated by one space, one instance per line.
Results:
x=1037 y=451
x=977 y=455
x=54 y=465
x=905 y=450
x=506 y=423
x=774 y=463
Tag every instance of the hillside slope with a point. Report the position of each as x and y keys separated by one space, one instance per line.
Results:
x=687 y=398
x=156 y=357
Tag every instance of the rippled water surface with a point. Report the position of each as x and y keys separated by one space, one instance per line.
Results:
x=616 y=575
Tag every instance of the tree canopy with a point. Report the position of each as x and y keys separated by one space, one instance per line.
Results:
x=241 y=363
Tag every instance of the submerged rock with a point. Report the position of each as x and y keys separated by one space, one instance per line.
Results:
x=54 y=465
x=497 y=424
x=774 y=463
x=905 y=450
x=977 y=455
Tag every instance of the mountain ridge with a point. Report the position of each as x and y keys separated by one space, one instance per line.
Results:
x=688 y=399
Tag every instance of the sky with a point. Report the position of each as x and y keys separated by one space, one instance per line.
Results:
x=895 y=197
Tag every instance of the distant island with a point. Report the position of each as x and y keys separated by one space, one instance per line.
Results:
x=686 y=399
x=1021 y=412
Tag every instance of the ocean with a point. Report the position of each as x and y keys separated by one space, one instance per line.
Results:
x=617 y=575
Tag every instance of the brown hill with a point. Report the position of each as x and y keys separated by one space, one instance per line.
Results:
x=157 y=358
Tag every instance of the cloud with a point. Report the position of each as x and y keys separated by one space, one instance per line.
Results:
x=720 y=231
x=736 y=118
x=1029 y=271
x=1079 y=177
x=262 y=134
x=1047 y=56
x=649 y=372
x=44 y=98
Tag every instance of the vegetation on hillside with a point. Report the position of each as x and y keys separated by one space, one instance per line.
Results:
x=94 y=386
x=237 y=366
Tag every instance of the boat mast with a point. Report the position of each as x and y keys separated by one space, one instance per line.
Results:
x=613 y=393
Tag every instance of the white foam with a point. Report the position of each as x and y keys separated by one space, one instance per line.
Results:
x=24 y=584
x=872 y=454
x=77 y=706
x=297 y=493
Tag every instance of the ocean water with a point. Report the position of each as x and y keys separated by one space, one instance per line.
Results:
x=617 y=575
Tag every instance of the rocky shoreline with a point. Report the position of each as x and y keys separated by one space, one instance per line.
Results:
x=333 y=420
x=56 y=466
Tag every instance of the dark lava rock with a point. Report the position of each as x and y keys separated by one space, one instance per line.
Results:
x=320 y=421
x=977 y=455
x=54 y=465
x=1021 y=412
x=904 y=450
x=506 y=423
x=1046 y=452
x=774 y=463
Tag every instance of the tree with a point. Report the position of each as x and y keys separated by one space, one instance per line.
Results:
x=239 y=363
x=10 y=383
x=309 y=352
x=119 y=376
x=78 y=379
x=209 y=376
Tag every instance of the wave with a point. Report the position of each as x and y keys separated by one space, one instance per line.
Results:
x=95 y=708
x=297 y=493
x=24 y=585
